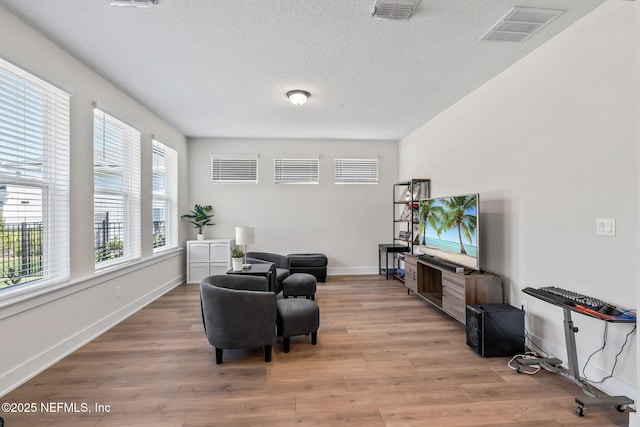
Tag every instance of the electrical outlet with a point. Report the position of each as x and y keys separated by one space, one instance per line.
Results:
x=117 y=291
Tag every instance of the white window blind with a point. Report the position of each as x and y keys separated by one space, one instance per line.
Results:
x=296 y=170
x=34 y=180
x=116 y=174
x=234 y=168
x=356 y=171
x=165 y=196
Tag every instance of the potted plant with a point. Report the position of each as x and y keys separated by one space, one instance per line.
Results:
x=236 y=258
x=201 y=216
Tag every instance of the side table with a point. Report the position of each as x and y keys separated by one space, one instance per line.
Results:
x=384 y=249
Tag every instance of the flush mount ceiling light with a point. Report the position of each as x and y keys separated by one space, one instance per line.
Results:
x=298 y=97
x=394 y=9
x=132 y=3
x=520 y=24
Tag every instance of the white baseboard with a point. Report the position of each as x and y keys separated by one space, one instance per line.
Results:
x=349 y=271
x=634 y=419
x=32 y=367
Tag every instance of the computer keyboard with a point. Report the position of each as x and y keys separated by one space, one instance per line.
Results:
x=583 y=303
x=584 y=300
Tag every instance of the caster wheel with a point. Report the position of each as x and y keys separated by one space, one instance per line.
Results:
x=621 y=408
x=519 y=369
x=580 y=411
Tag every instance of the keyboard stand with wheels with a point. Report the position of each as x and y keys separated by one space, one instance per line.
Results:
x=573 y=372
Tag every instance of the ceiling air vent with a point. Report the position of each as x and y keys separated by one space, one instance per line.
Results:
x=520 y=23
x=132 y=3
x=394 y=9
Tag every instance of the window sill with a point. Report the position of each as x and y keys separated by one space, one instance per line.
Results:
x=17 y=300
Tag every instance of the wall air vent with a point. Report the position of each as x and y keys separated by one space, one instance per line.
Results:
x=132 y=3
x=394 y=9
x=520 y=24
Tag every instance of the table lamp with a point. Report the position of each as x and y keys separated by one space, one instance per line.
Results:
x=245 y=236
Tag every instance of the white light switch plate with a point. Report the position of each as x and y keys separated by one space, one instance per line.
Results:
x=606 y=226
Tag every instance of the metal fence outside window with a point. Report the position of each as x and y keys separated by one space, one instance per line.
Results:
x=20 y=253
x=159 y=236
x=109 y=239
x=21 y=247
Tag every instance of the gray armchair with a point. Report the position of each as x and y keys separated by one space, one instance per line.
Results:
x=311 y=263
x=280 y=262
x=238 y=311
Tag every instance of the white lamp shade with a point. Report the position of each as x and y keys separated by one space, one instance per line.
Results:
x=245 y=235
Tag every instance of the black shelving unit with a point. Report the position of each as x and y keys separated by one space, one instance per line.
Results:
x=406 y=197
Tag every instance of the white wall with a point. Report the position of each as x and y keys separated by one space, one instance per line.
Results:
x=39 y=330
x=550 y=145
x=346 y=222
x=634 y=420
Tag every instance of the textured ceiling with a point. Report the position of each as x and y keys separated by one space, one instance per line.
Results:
x=221 y=68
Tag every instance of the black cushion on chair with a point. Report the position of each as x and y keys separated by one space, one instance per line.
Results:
x=307 y=260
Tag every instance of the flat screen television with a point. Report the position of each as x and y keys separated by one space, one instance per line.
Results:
x=449 y=229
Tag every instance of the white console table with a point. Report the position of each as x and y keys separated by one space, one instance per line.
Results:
x=208 y=257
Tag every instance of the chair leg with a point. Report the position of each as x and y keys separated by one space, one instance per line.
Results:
x=267 y=353
x=218 y=356
x=314 y=338
x=286 y=343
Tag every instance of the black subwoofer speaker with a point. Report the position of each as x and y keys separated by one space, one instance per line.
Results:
x=495 y=329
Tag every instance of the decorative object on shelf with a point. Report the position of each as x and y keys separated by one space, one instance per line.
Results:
x=245 y=236
x=201 y=216
x=236 y=259
x=415 y=190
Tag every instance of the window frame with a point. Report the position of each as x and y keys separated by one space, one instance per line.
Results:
x=35 y=123
x=296 y=170
x=129 y=193
x=234 y=168
x=168 y=198
x=354 y=170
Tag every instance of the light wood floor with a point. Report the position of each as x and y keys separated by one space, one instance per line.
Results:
x=384 y=358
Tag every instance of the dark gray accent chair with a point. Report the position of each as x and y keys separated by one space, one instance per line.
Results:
x=281 y=267
x=238 y=311
x=311 y=263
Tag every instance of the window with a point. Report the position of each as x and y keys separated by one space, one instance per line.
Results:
x=165 y=197
x=356 y=171
x=34 y=180
x=234 y=168
x=116 y=183
x=296 y=171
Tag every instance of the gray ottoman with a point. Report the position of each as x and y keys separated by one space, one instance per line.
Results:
x=299 y=285
x=297 y=317
x=313 y=263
